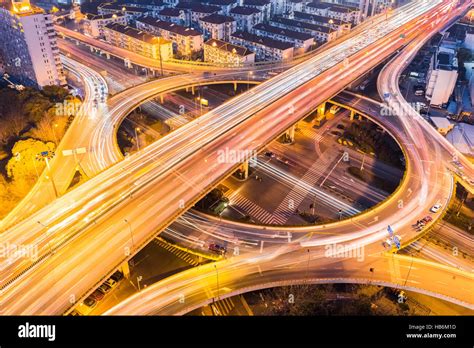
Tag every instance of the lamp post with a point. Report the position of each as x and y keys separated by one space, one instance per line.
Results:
x=46 y=156
x=250 y=73
x=131 y=233
x=54 y=133
x=217 y=280
x=331 y=22
x=136 y=138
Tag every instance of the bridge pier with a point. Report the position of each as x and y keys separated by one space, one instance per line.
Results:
x=322 y=109
x=244 y=168
x=290 y=133
x=107 y=55
x=125 y=268
x=352 y=115
x=235 y=86
x=162 y=98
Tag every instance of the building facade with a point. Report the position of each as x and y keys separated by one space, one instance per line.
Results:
x=246 y=17
x=266 y=49
x=225 y=53
x=28 y=47
x=186 y=41
x=93 y=25
x=303 y=42
x=218 y=26
x=138 y=41
x=321 y=33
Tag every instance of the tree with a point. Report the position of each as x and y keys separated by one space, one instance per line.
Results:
x=23 y=165
x=55 y=94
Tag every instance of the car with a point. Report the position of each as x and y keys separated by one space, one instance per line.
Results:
x=340 y=126
x=218 y=249
x=110 y=282
x=269 y=154
x=117 y=276
x=428 y=218
x=105 y=288
x=336 y=133
x=435 y=208
x=97 y=295
x=90 y=302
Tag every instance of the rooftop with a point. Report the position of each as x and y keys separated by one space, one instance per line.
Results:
x=22 y=9
x=124 y=8
x=226 y=46
x=285 y=32
x=317 y=18
x=196 y=7
x=319 y=5
x=172 y=27
x=217 y=19
x=265 y=41
x=242 y=10
x=219 y=2
x=299 y=24
x=256 y=2
x=135 y=33
x=343 y=9
x=94 y=17
x=142 y=3
x=170 y=11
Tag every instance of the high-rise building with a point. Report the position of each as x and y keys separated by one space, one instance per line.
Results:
x=28 y=47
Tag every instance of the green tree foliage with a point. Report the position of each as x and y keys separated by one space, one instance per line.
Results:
x=24 y=165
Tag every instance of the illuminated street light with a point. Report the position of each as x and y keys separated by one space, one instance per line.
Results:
x=46 y=156
x=136 y=138
x=131 y=232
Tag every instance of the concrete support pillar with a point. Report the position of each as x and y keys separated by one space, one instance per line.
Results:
x=352 y=115
x=107 y=55
x=322 y=109
x=162 y=98
x=192 y=90
x=91 y=48
x=291 y=133
x=125 y=268
x=235 y=86
x=244 y=168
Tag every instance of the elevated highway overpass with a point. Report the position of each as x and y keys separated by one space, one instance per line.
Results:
x=89 y=223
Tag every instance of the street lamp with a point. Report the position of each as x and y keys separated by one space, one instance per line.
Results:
x=54 y=133
x=250 y=73
x=131 y=233
x=46 y=156
x=136 y=138
x=331 y=22
x=47 y=233
x=139 y=278
x=217 y=280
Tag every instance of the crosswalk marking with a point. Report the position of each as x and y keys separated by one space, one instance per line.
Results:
x=183 y=255
x=222 y=307
x=254 y=210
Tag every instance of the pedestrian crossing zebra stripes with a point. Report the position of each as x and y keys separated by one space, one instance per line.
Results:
x=222 y=307
x=254 y=210
x=183 y=255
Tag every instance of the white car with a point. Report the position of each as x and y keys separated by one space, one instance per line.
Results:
x=435 y=208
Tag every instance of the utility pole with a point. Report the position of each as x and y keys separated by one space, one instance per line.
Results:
x=46 y=156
